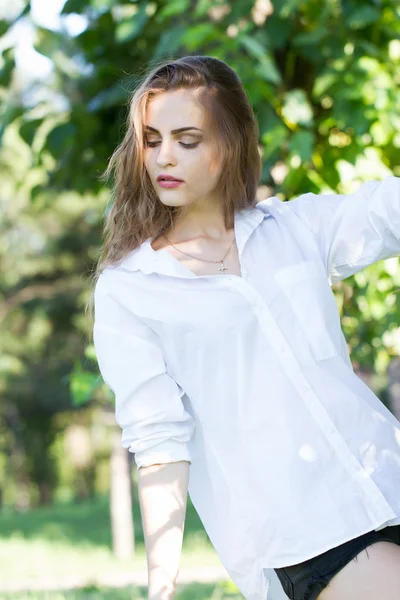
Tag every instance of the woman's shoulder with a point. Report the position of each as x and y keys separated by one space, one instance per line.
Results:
x=270 y=205
x=112 y=274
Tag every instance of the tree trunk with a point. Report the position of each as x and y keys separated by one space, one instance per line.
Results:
x=132 y=468
x=123 y=539
x=45 y=493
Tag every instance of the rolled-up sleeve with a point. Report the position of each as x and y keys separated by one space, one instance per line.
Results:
x=148 y=402
x=354 y=230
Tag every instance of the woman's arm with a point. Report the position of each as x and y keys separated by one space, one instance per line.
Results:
x=162 y=495
x=155 y=427
x=148 y=402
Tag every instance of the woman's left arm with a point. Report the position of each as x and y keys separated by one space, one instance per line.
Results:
x=354 y=230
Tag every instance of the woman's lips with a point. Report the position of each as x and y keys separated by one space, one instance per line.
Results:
x=169 y=184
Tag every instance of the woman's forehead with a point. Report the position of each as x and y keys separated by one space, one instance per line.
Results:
x=178 y=108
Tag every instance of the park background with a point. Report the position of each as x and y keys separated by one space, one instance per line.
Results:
x=324 y=80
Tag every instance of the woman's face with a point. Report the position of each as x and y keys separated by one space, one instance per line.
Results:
x=187 y=155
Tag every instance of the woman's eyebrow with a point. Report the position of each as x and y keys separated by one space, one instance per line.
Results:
x=174 y=131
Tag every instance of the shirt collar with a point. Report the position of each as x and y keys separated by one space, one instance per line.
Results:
x=147 y=260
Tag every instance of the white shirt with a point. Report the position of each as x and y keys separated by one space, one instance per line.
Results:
x=250 y=379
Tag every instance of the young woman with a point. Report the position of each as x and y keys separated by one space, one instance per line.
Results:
x=217 y=330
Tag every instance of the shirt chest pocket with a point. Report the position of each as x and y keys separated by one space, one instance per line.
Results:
x=314 y=305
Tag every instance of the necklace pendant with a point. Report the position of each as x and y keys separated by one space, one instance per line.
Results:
x=222 y=268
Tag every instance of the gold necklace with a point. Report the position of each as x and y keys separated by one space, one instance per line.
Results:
x=221 y=268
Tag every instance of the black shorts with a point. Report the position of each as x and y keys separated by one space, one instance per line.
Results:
x=305 y=580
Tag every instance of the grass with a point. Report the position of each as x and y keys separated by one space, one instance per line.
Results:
x=195 y=591
x=62 y=541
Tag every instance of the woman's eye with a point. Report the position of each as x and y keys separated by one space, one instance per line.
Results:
x=154 y=144
x=192 y=145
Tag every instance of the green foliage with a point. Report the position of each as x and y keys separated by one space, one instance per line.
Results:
x=371 y=309
x=82 y=385
x=328 y=67
x=191 y=591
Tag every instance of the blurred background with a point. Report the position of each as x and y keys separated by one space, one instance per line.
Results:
x=324 y=80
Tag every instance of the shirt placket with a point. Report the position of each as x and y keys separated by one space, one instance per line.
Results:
x=377 y=507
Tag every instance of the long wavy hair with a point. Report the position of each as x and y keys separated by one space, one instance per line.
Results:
x=136 y=213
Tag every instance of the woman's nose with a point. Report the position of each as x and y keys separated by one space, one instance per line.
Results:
x=166 y=154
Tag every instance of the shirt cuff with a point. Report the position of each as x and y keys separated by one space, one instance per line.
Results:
x=166 y=452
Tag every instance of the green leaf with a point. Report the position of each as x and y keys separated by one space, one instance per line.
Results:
x=35 y=192
x=82 y=386
x=323 y=83
x=267 y=117
x=60 y=138
x=130 y=27
x=381 y=132
x=292 y=182
x=198 y=35
x=310 y=38
x=28 y=130
x=104 y=5
x=274 y=138
x=278 y=31
x=266 y=67
x=202 y=7
x=302 y=143
x=4 y=26
x=75 y=6
x=287 y=8
x=113 y=96
x=169 y=42
x=12 y=112
x=7 y=68
x=268 y=71
x=239 y=10
x=90 y=352
x=253 y=46
x=48 y=42
x=171 y=9
x=363 y=16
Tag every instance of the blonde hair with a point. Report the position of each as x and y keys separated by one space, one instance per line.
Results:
x=136 y=213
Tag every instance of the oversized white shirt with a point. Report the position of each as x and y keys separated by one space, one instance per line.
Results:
x=249 y=378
